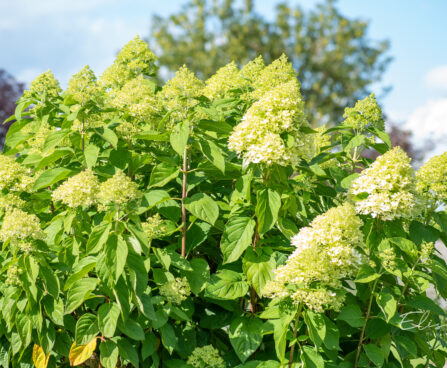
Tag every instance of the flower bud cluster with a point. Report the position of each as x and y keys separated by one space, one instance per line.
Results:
x=80 y=190
x=44 y=84
x=83 y=86
x=176 y=291
x=221 y=84
x=154 y=227
x=118 y=190
x=10 y=201
x=366 y=113
x=18 y=225
x=14 y=176
x=206 y=357
x=12 y=276
x=325 y=254
x=432 y=180
x=387 y=189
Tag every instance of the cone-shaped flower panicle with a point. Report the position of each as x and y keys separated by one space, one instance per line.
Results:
x=270 y=130
x=326 y=252
x=252 y=70
x=387 y=189
x=80 y=190
x=14 y=176
x=133 y=60
x=18 y=225
x=365 y=113
x=10 y=201
x=117 y=190
x=83 y=86
x=44 y=83
x=432 y=180
x=221 y=84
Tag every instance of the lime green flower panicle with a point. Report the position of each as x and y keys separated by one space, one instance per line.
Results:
x=137 y=99
x=180 y=94
x=118 y=190
x=83 y=86
x=326 y=253
x=44 y=84
x=365 y=113
x=80 y=190
x=259 y=138
x=133 y=60
x=432 y=180
x=206 y=357
x=18 y=225
x=176 y=291
x=14 y=176
x=10 y=201
x=389 y=185
x=226 y=79
x=252 y=70
x=278 y=72
x=154 y=227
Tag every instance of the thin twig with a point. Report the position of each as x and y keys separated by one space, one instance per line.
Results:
x=185 y=168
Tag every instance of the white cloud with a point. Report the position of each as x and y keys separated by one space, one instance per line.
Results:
x=428 y=124
x=437 y=78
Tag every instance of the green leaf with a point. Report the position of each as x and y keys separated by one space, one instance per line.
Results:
x=213 y=153
x=80 y=270
x=387 y=304
x=115 y=255
x=152 y=135
x=199 y=276
x=128 y=352
x=366 y=274
x=267 y=207
x=98 y=238
x=406 y=246
x=108 y=135
x=54 y=138
x=80 y=291
x=108 y=354
x=375 y=354
x=356 y=141
x=86 y=328
x=227 y=284
x=50 y=280
x=203 y=207
x=48 y=178
x=179 y=137
x=162 y=174
x=168 y=337
x=91 y=153
x=245 y=336
x=352 y=315
x=131 y=328
x=346 y=182
x=108 y=318
x=237 y=236
x=311 y=358
x=420 y=233
x=258 y=268
x=322 y=330
x=54 y=308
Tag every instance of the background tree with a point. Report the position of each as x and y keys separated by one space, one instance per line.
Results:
x=10 y=91
x=336 y=60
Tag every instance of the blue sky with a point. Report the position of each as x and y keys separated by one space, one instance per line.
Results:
x=65 y=35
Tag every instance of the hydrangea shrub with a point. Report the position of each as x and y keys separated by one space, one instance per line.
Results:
x=206 y=224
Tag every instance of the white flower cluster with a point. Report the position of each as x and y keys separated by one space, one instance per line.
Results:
x=117 y=190
x=206 y=357
x=270 y=130
x=432 y=180
x=10 y=201
x=176 y=291
x=325 y=254
x=387 y=189
x=80 y=190
x=365 y=113
x=83 y=86
x=154 y=227
x=221 y=84
x=14 y=176
x=18 y=225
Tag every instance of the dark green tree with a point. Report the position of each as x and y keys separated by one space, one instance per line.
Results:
x=336 y=60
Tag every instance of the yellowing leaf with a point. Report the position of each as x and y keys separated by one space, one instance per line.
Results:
x=40 y=360
x=79 y=354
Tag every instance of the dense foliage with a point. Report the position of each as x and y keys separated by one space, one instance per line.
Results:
x=205 y=224
x=336 y=59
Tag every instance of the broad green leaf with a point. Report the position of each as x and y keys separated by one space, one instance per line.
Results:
x=267 y=207
x=227 y=284
x=98 y=238
x=80 y=291
x=420 y=233
x=168 y=337
x=387 y=304
x=40 y=359
x=128 y=352
x=406 y=246
x=356 y=141
x=200 y=274
x=237 y=236
x=54 y=138
x=86 y=328
x=80 y=270
x=49 y=177
x=56 y=155
x=213 y=153
x=131 y=328
x=54 y=309
x=311 y=358
x=203 y=207
x=79 y=354
x=115 y=255
x=50 y=280
x=108 y=318
x=108 y=353
x=179 y=137
x=258 y=268
x=162 y=174
x=352 y=315
x=366 y=274
x=322 y=330
x=108 y=135
x=152 y=135
x=245 y=336
x=91 y=153
x=375 y=354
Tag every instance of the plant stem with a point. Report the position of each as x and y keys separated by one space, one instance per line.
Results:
x=185 y=168
x=295 y=332
x=252 y=290
x=362 y=335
